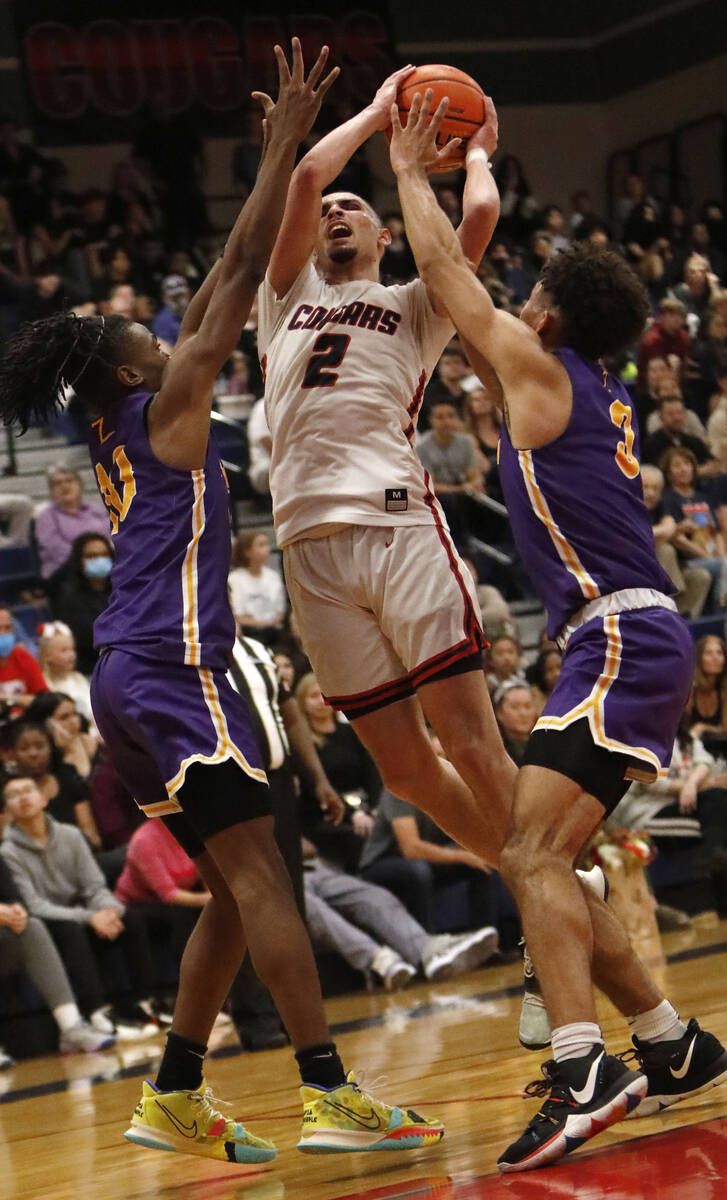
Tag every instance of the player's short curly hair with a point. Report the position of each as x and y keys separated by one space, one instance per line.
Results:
x=603 y=304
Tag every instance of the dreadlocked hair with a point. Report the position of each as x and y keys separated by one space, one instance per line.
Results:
x=603 y=305
x=45 y=357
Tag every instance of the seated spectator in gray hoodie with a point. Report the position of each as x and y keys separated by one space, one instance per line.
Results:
x=27 y=948
x=59 y=881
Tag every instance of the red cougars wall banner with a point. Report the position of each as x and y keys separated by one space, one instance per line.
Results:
x=93 y=70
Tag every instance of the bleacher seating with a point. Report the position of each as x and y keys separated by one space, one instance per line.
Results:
x=712 y=625
x=18 y=570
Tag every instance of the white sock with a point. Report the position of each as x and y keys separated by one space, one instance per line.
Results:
x=67 y=1016
x=660 y=1024
x=575 y=1040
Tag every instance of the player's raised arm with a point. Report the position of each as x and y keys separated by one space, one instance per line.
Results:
x=197 y=307
x=512 y=349
x=481 y=199
x=179 y=413
x=312 y=176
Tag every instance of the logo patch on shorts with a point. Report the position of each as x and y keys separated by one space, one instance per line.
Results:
x=397 y=499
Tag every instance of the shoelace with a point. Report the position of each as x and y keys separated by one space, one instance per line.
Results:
x=658 y=1055
x=541 y=1087
x=207 y=1102
x=528 y=970
x=630 y=1056
x=547 y=1086
x=370 y=1085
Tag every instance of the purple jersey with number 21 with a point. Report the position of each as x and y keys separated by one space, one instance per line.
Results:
x=171 y=534
x=160 y=692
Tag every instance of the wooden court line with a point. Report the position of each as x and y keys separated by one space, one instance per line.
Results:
x=358 y=1024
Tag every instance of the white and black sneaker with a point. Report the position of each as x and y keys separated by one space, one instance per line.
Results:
x=585 y=1096
x=447 y=954
x=676 y=1070
x=132 y=1023
x=84 y=1039
x=392 y=969
x=157 y=1010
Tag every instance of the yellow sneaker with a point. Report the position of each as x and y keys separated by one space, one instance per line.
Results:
x=349 y=1119
x=188 y=1123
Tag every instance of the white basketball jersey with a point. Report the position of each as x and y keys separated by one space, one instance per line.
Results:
x=345 y=368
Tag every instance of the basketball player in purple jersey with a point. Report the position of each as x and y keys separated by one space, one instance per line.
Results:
x=178 y=734
x=569 y=467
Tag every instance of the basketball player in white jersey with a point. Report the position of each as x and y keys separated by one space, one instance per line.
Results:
x=386 y=608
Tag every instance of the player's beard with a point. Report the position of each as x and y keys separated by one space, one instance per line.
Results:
x=342 y=254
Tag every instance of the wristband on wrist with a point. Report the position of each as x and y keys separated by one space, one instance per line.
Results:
x=478 y=154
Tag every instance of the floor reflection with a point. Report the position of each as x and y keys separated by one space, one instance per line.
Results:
x=683 y=1164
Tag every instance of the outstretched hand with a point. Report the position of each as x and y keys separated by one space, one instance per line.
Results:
x=485 y=137
x=299 y=99
x=387 y=93
x=416 y=145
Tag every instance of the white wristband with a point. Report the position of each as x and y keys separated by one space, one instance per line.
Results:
x=477 y=155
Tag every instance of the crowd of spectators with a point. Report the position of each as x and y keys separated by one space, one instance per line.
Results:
x=80 y=871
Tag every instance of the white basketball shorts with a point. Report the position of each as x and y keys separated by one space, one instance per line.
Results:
x=382 y=610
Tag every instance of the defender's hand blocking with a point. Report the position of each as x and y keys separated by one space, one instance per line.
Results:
x=416 y=145
x=299 y=99
x=485 y=138
x=387 y=93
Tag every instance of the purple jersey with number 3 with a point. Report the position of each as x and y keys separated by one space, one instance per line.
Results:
x=171 y=534
x=576 y=504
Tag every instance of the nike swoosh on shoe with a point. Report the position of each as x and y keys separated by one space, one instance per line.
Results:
x=585 y=1095
x=364 y=1119
x=189 y=1131
x=680 y=1072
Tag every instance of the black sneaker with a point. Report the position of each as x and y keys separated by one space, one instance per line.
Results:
x=587 y=1094
x=261 y=1034
x=679 y=1069
x=132 y=1023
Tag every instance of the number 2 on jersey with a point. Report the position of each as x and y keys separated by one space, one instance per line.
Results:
x=626 y=460
x=328 y=352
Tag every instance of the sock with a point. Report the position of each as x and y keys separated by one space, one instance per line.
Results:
x=575 y=1040
x=67 y=1016
x=660 y=1024
x=320 y=1066
x=181 y=1067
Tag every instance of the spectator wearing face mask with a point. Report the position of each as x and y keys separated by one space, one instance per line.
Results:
x=81 y=593
x=175 y=298
x=20 y=675
x=67 y=516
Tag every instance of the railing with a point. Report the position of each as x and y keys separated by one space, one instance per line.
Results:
x=687 y=166
x=11 y=463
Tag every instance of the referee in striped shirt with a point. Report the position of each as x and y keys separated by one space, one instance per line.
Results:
x=286 y=743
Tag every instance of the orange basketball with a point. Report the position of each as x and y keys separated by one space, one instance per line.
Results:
x=466 y=111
